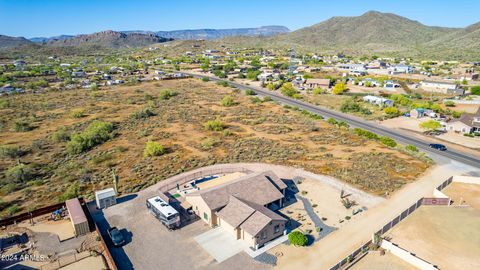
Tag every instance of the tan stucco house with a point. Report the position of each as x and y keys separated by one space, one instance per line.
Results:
x=467 y=123
x=244 y=207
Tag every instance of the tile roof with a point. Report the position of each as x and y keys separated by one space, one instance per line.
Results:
x=467 y=119
x=260 y=188
x=248 y=216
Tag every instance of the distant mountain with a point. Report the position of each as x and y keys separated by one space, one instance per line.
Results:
x=110 y=39
x=46 y=39
x=371 y=31
x=221 y=33
x=374 y=33
x=11 y=42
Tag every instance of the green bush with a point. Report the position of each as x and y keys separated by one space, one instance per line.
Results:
x=449 y=103
x=4 y=104
x=96 y=133
x=167 y=94
x=23 y=126
x=250 y=92
x=61 y=135
x=72 y=192
x=332 y=121
x=297 y=238
x=365 y=133
x=153 y=149
x=205 y=79
x=391 y=111
x=77 y=114
x=223 y=83
x=228 y=101
x=20 y=173
x=388 y=141
x=10 y=151
x=142 y=114
x=412 y=148
x=214 y=125
x=475 y=90
x=12 y=210
x=288 y=90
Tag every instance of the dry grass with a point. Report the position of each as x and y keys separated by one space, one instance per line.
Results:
x=263 y=132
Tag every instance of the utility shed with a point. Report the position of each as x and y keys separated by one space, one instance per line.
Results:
x=77 y=217
x=105 y=198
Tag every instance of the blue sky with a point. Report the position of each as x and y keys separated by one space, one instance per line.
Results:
x=49 y=18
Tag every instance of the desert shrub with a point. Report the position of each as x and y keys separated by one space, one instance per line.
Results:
x=228 y=101
x=339 y=88
x=468 y=135
x=388 y=141
x=205 y=79
x=23 y=126
x=223 y=83
x=288 y=90
x=77 y=114
x=332 y=121
x=214 y=125
x=297 y=238
x=449 y=103
x=10 y=151
x=72 y=192
x=255 y=100
x=250 y=92
x=412 y=148
x=475 y=90
x=153 y=149
x=142 y=114
x=391 y=111
x=267 y=99
x=20 y=173
x=148 y=97
x=96 y=133
x=353 y=106
x=4 y=103
x=365 y=133
x=13 y=209
x=318 y=91
x=101 y=158
x=61 y=135
x=167 y=94
x=430 y=125
x=209 y=143
x=456 y=114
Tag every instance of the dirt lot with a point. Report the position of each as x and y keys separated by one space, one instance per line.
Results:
x=327 y=202
x=464 y=194
x=375 y=261
x=443 y=235
x=252 y=132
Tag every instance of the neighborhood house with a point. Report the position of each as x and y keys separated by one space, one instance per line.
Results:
x=467 y=123
x=244 y=207
x=441 y=87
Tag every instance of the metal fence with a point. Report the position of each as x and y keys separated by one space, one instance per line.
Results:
x=65 y=260
x=106 y=252
x=395 y=221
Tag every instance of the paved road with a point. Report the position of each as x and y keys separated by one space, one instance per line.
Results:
x=354 y=121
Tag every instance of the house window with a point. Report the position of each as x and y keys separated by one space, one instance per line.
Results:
x=205 y=216
x=263 y=235
x=276 y=229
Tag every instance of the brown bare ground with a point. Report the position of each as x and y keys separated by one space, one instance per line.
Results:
x=263 y=132
x=443 y=235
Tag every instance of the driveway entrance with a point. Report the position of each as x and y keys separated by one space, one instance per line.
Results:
x=220 y=244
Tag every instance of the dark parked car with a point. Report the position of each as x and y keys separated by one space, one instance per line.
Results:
x=438 y=146
x=116 y=236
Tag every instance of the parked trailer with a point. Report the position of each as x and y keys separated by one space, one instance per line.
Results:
x=164 y=212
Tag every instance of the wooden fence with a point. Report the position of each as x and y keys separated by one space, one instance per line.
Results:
x=106 y=252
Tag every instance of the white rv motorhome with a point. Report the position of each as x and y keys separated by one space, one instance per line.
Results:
x=164 y=212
